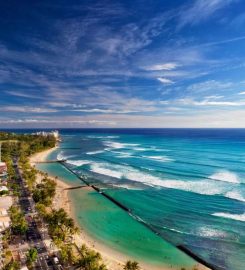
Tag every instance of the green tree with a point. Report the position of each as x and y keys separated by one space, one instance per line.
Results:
x=61 y=227
x=131 y=265
x=41 y=209
x=44 y=192
x=18 y=222
x=31 y=256
x=13 y=265
x=67 y=254
x=89 y=260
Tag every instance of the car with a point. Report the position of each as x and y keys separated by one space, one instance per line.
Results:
x=56 y=260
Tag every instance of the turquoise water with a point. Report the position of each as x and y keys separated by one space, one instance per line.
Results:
x=110 y=225
x=186 y=184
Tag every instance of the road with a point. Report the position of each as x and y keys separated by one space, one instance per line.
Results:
x=36 y=234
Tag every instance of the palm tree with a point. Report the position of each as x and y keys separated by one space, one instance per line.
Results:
x=12 y=265
x=131 y=265
x=31 y=256
x=90 y=260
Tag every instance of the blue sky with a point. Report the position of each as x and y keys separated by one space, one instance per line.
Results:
x=151 y=63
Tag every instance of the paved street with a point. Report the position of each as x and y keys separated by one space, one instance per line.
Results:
x=36 y=234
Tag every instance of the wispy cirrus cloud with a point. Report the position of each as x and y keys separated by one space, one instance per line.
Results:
x=107 y=61
x=209 y=102
x=201 y=10
x=164 y=66
x=26 y=109
x=165 y=81
x=210 y=85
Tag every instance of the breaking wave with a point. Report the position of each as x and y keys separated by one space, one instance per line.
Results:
x=159 y=158
x=235 y=195
x=239 y=217
x=139 y=149
x=78 y=162
x=105 y=171
x=225 y=176
x=61 y=156
x=205 y=187
x=118 y=145
x=95 y=152
x=102 y=137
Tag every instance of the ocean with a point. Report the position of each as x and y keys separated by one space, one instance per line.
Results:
x=187 y=185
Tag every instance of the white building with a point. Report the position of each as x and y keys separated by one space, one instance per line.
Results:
x=3 y=188
x=3 y=168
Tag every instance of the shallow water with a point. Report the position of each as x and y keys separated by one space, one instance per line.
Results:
x=115 y=228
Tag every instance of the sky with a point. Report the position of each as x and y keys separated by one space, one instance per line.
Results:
x=141 y=63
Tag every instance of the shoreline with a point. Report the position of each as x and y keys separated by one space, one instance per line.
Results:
x=114 y=260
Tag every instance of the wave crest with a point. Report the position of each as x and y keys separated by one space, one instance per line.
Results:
x=78 y=162
x=235 y=195
x=239 y=217
x=225 y=176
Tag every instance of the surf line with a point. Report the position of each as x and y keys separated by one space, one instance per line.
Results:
x=97 y=189
x=138 y=219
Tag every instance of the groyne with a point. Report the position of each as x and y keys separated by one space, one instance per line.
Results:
x=52 y=161
x=138 y=219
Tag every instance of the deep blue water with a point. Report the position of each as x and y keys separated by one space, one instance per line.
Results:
x=189 y=184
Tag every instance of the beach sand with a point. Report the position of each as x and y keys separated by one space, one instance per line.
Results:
x=113 y=260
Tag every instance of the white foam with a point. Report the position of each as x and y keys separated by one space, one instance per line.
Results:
x=225 y=176
x=95 y=152
x=61 y=156
x=153 y=148
x=239 y=217
x=121 y=154
x=139 y=149
x=159 y=158
x=118 y=145
x=115 y=145
x=124 y=155
x=128 y=187
x=78 y=162
x=207 y=231
x=201 y=186
x=235 y=195
x=129 y=173
x=102 y=137
x=205 y=186
x=97 y=168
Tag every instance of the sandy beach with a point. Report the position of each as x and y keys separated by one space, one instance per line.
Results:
x=114 y=260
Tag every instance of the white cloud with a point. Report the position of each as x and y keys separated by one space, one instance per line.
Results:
x=165 y=66
x=105 y=111
x=57 y=122
x=208 y=102
x=26 y=109
x=242 y=93
x=201 y=10
x=165 y=80
x=214 y=97
x=23 y=94
x=214 y=119
x=210 y=85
